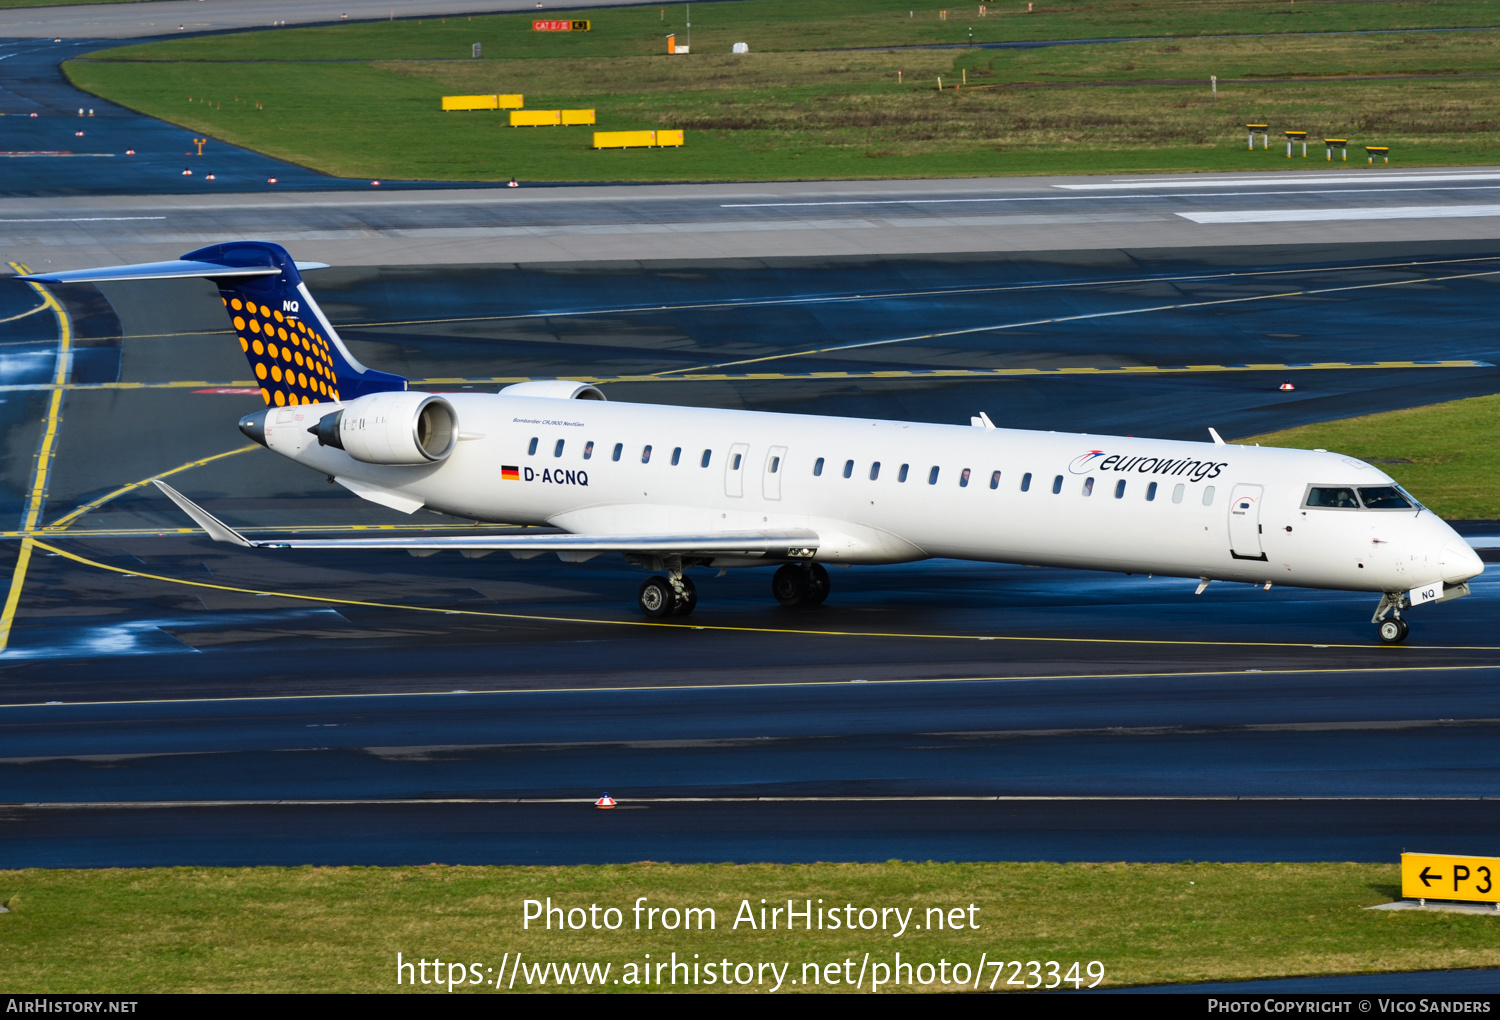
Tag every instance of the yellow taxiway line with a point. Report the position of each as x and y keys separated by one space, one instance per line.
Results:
x=1029 y=371
x=36 y=495
x=733 y=628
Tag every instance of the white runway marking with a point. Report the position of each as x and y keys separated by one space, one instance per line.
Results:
x=1393 y=212
x=1278 y=180
x=85 y=219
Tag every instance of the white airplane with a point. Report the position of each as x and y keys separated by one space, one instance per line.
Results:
x=677 y=487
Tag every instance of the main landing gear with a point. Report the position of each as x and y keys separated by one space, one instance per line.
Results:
x=794 y=584
x=675 y=595
x=801 y=584
x=1387 y=619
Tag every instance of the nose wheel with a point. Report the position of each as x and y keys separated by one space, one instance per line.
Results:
x=1393 y=631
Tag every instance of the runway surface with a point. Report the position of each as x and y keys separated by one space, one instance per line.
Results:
x=1348 y=205
x=171 y=701
x=157 y=17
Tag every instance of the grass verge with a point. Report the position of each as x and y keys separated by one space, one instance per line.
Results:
x=809 y=103
x=1447 y=455
x=339 y=929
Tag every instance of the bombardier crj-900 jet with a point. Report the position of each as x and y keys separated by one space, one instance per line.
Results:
x=677 y=487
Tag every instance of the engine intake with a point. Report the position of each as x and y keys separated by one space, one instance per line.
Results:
x=391 y=428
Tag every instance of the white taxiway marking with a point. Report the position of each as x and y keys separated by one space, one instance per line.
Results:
x=1394 y=212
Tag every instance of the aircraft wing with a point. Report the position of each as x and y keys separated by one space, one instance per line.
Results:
x=796 y=543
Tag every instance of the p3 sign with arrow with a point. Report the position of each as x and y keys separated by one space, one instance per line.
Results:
x=1450 y=877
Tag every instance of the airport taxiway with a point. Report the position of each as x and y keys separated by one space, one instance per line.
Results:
x=169 y=700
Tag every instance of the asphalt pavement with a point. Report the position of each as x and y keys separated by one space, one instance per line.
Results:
x=169 y=700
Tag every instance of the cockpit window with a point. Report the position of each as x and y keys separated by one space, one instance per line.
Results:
x=1384 y=497
x=1330 y=496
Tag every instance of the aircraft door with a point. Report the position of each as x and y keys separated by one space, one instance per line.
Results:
x=775 y=467
x=734 y=470
x=1244 y=523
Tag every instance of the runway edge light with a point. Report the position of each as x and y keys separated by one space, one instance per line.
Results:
x=605 y=801
x=1450 y=877
x=1286 y=387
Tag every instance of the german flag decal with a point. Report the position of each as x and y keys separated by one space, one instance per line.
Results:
x=509 y=473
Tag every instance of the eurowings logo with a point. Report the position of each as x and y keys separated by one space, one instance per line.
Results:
x=1082 y=464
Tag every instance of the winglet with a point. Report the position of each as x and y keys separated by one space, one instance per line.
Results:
x=217 y=529
x=1218 y=439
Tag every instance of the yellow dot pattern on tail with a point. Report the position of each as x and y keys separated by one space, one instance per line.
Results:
x=291 y=359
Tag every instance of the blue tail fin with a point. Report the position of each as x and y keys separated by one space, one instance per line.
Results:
x=294 y=351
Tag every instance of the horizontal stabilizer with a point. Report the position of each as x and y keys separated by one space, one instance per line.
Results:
x=177 y=269
x=217 y=529
x=795 y=543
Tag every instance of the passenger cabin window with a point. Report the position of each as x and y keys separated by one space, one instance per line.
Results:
x=848 y=469
x=646 y=454
x=531 y=450
x=1151 y=492
x=932 y=476
x=1208 y=495
x=1088 y=486
x=707 y=454
x=1383 y=497
x=818 y=467
x=588 y=450
x=1177 y=491
x=901 y=475
x=995 y=480
x=1120 y=489
x=619 y=449
x=963 y=479
x=874 y=471
x=1026 y=482
x=1057 y=485
x=557 y=450
x=1338 y=498
x=676 y=455
x=736 y=465
x=775 y=464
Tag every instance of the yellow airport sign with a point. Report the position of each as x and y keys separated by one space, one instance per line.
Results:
x=1450 y=877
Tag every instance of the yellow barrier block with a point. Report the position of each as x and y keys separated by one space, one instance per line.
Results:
x=511 y=102
x=535 y=118
x=578 y=116
x=470 y=102
x=624 y=139
x=635 y=139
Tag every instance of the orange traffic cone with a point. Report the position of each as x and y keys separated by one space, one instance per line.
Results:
x=605 y=801
x=1287 y=386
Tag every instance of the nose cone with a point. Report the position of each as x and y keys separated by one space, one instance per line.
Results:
x=254 y=426
x=1459 y=562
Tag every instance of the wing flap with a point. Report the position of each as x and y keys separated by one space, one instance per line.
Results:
x=798 y=543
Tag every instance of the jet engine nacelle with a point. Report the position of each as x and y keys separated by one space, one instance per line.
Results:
x=401 y=427
x=559 y=389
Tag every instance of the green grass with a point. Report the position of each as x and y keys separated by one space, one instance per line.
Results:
x=59 y=3
x=339 y=929
x=1454 y=449
x=362 y=100
x=789 y=25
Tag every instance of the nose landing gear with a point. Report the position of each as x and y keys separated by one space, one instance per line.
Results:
x=1387 y=619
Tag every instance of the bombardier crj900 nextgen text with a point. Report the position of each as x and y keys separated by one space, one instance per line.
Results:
x=676 y=487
